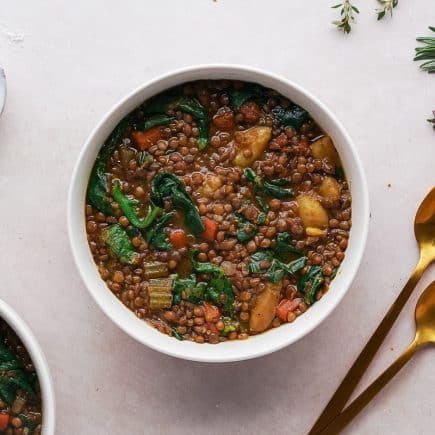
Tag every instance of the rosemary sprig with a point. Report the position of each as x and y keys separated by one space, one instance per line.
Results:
x=432 y=121
x=387 y=6
x=347 y=17
x=426 y=52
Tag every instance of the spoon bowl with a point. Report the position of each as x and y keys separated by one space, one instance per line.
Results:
x=424 y=225
x=425 y=316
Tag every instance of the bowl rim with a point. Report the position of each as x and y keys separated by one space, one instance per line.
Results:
x=32 y=346
x=186 y=351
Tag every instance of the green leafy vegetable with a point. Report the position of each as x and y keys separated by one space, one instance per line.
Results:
x=263 y=215
x=294 y=116
x=311 y=283
x=176 y=334
x=277 y=269
x=283 y=246
x=156 y=236
x=28 y=422
x=188 y=289
x=169 y=101
x=271 y=188
x=219 y=289
x=154 y=121
x=117 y=239
x=13 y=376
x=250 y=91
x=167 y=186
x=97 y=188
x=426 y=52
x=128 y=207
x=247 y=229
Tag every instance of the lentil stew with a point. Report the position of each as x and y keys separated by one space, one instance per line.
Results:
x=20 y=396
x=217 y=210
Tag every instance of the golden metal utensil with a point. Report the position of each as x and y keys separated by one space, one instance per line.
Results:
x=424 y=229
x=425 y=334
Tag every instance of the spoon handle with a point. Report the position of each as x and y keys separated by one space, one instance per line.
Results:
x=343 y=419
x=355 y=373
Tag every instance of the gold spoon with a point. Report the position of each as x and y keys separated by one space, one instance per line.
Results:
x=424 y=229
x=425 y=334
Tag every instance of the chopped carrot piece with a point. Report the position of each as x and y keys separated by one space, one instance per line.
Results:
x=144 y=139
x=211 y=327
x=211 y=312
x=4 y=421
x=178 y=238
x=210 y=231
x=284 y=307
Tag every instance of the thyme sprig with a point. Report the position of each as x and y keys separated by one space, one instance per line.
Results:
x=347 y=16
x=387 y=7
x=426 y=52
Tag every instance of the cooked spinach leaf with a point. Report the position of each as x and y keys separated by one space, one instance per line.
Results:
x=311 y=283
x=170 y=101
x=277 y=268
x=219 y=289
x=263 y=215
x=188 y=289
x=128 y=206
x=294 y=116
x=247 y=230
x=154 y=121
x=250 y=91
x=97 y=188
x=156 y=236
x=273 y=188
x=283 y=246
x=176 y=334
x=167 y=186
x=14 y=376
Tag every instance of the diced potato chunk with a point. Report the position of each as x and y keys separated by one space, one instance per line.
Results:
x=250 y=144
x=315 y=232
x=211 y=184
x=330 y=189
x=311 y=212
x=263 y=312
x=324 y=147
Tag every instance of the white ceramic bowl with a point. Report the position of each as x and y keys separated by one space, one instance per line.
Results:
x=39 y=362
x=266 y=342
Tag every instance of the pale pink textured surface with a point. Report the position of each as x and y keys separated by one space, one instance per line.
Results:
x=78 y=58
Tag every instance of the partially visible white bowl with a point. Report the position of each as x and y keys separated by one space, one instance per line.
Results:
x=266 y=342
x=39 y=362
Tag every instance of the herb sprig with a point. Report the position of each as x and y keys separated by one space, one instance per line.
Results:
x=347 y=16
x=387 y=7
x=426 y=52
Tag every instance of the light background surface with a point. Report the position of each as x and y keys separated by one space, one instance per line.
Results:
x=67 y=63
